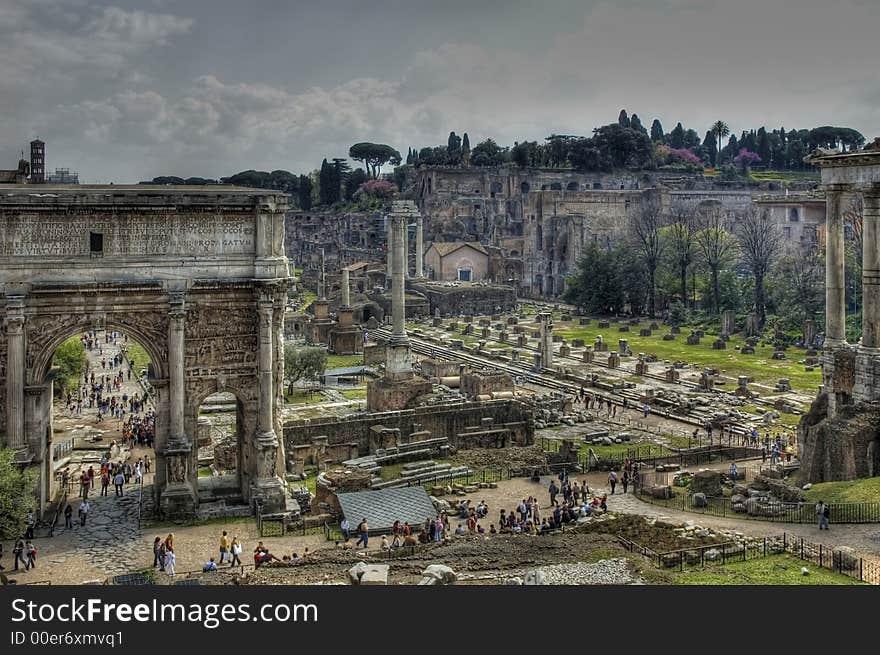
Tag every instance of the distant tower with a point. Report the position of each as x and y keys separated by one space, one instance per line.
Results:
x=38 y=162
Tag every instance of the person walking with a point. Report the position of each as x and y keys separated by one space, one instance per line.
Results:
x=345 y=526
x=157 y=546
x=83 y=512
x=163 y=555
x=30 y=524
x=118 y=481
x=734 y=472
x=612 y=480
x=105 y=482
x=224 y=546
x=823 y=514
x=553 y=491
x=363 y=533
x=170 y=560
x=235 y=549
x=625 y=480
x=68 y=516
x=18 y=554
x=84 y=484
x=31 y=552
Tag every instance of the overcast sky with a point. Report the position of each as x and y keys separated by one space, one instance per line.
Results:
x=125 y=91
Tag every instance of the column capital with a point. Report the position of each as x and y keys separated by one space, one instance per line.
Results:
x=177 y=301
x=14 y=324
x=836 y=187
x=871 y=190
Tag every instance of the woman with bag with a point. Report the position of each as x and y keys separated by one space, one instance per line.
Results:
x=235 y=549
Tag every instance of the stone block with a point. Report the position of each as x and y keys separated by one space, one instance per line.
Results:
x=669 y=336
x=719 y=344
x=604 y=325
x=675 y=329
x=623 y=328
x=644 y=332
x=375 y=574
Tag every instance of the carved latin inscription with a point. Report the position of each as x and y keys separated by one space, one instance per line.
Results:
x=194 y=233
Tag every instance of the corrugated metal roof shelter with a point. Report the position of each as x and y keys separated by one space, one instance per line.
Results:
x=385 y=506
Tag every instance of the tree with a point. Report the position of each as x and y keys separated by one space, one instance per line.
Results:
x=710 y=148
x=465 y=143
x=760 y=242
x=328 y=186
x=17 y=495
x=304 y=192
x=374 y=156
x=657 y=131
x=624 y=147
x=487 y=153
x=799 y=285
x=597 y=287
x=720 y=130
x=681 y=235
x=636 y=123
x=303 y=363
x=646 y=222
x=676 y=137
x=745 y=159
x=453 y=147
x=763 y=145
x=70 y=358
x=623 y=119
x=353 y=181
x=716 y=245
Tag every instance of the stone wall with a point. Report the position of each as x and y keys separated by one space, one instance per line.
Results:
x=440 y=421
x=841 y=448
x=482 y=383
x=467 y=299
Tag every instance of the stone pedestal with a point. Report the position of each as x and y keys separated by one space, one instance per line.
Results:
x=386 y=395
x=613 y=360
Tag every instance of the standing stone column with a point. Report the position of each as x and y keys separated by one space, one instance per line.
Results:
x=265 y=427
x=15 y=363
x=405 y=243
x=346 y=292
x=389 y=251
x=176 y=326
x=835 y=308
x=420 y=235
x=398 y=266
x=871 y=268
x=269 y=490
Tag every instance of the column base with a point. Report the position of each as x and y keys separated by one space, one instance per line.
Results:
x=270 y=494
x=398 y=359
x=867 y=376
x=178 y=502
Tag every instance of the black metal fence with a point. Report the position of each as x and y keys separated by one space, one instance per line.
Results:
x=833 y=559
x=757 y=509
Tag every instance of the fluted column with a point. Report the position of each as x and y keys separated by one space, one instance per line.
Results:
x=835 y=308
x=15 y=363
x=871 y=268
x=265 y=427
x=420 y=236
x=346 y=292
x=398 y=264
x=176 y=346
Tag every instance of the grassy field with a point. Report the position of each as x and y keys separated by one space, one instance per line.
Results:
x=866 y=490
x=344 y=361
x=300 y=397
x=354 y=394
x=771 y=570
x=760 y=367
x=140 y=357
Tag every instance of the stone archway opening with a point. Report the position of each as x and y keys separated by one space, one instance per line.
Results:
x=220 y=433
x=94 y=403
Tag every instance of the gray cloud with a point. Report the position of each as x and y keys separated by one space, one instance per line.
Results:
x=98 y=96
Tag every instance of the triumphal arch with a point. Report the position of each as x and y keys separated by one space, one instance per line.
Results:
x=197 y=275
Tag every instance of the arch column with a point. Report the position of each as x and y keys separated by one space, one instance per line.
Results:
x=269 y=492
x=15 y=364
x=178 y=498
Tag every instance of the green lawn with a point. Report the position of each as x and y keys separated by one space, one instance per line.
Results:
x=344 y=361
x=354 y=394
x=771 y=570
x=300 y=396
x=729 y=362
x=866 y=490
x=137 y=353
